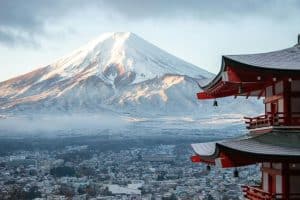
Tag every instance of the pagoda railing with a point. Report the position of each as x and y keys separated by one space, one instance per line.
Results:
x=255 y=192
x=270 y=119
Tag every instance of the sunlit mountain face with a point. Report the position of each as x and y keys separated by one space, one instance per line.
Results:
x=116 y=72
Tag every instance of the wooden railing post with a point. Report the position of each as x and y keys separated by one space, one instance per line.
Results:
x=269 y=119
x=257 y=193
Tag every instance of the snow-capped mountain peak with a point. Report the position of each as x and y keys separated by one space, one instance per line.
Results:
x=121 y=55
x=115 y=71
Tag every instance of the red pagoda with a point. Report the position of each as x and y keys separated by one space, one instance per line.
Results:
x=274 y=137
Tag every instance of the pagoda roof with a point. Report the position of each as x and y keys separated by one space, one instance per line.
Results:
x=278 y=143
x=286 y=59
x=237 y=70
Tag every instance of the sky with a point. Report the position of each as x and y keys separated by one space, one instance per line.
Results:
x=34 y=33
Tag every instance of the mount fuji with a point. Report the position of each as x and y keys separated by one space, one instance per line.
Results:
x=117 y=72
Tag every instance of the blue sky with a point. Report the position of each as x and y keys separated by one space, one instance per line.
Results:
x=34 y=33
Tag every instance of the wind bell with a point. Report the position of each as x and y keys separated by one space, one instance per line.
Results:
x=235 y=173
x=208 y=168
x=215 y=104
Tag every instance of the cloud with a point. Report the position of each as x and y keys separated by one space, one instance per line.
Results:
x=202 y=9
x=21 y=22
x=13 y=38
x=25 y=22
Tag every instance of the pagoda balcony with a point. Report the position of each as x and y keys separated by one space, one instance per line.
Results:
x=269 y=119
x=257 y=193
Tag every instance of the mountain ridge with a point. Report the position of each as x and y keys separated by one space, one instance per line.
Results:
x=98 y=74
x=116 y=72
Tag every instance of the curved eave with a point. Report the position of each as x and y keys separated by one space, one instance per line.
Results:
x=259 y=156
x=217 y=78
x=236 y=63
x=207 y=150
x=275 y=146
x=282 y=60
x=212 y=150
x=277 y=62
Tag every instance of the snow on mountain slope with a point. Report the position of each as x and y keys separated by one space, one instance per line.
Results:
x=117 y=72
x=122 y=56
x=176 y=94
x=170 y=93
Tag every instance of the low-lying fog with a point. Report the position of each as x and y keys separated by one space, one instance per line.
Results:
x=92 y=124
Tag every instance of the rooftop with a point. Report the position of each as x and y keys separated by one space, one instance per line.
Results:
x=284 y=143
x=286 y=59
x=282 y=61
